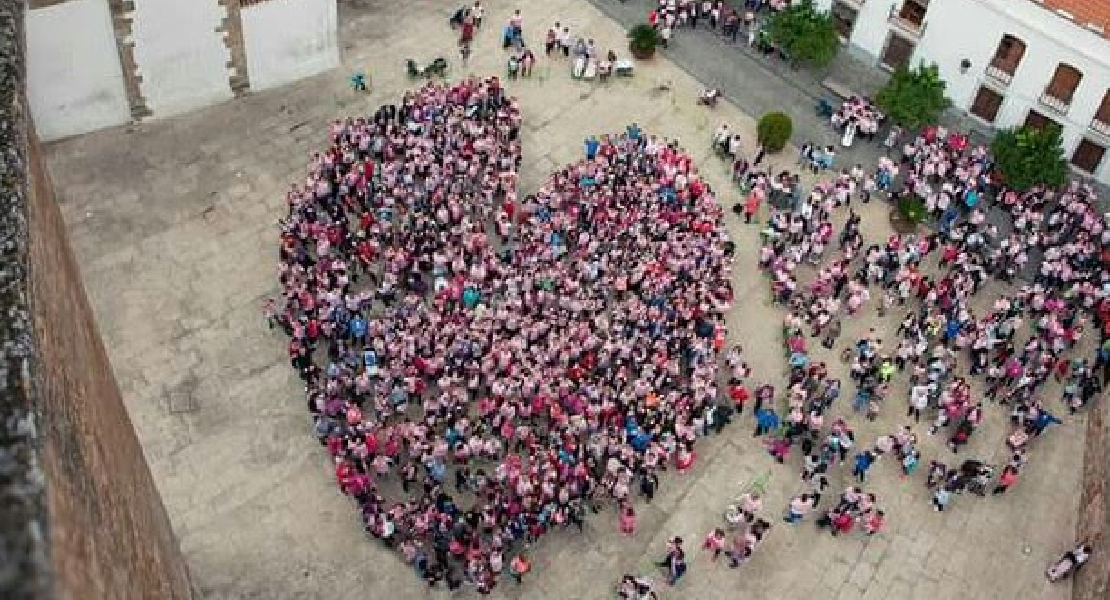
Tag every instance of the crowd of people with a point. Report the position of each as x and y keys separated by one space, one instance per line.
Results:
x=507 y=363
x=730 y=19
x=941 y=328
x=484 y=369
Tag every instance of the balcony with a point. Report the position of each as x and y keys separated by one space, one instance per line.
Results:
x=1057 y=104
x=1100 y=127
x=909 y=18
x=999 y=74
x=906 y=26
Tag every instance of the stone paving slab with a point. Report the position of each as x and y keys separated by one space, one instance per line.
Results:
x=173 y=223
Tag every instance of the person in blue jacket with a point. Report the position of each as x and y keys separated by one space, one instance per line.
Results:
x=1043 y=420
x=591 y=147
x=864 y=460
x=766 y=419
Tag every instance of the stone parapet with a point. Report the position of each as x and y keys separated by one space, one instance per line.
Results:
x=80 y=517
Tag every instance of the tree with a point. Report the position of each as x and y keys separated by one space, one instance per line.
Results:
x=1030 y=156
x=642 y=41
x=774 y=131
x=805 y=34
x=914 y=98
x=912 y=208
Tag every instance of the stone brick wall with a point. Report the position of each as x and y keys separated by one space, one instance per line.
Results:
x=80 y=517
x=1093 y=581
x=109 y=533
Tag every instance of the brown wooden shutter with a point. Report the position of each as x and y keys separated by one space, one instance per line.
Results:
x=1087 y=156
x=1064 y=82
x=1009 y=54
x=1103 y=114
x=986 y=104
x=898 y=51
x=1036 y=120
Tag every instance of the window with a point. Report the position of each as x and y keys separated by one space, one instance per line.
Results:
x=1006 y=58
x=1063 y=83
x=1038 y=121
x=897 y=52
x=986 y=104
x=913 y=12
x=1101 y=122
x=844 y=17
x=1103 y=113
x=1088 y=156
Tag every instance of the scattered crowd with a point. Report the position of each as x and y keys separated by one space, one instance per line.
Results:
x=941 y=328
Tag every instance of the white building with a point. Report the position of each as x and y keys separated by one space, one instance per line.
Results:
x=1006 y=62
x=96 y=63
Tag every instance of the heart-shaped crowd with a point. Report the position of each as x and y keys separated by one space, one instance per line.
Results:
x=484 y=368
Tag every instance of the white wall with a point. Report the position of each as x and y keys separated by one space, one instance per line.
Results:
x=871 y=30
x=288 y=40
x=180 y=54
x=74 y=79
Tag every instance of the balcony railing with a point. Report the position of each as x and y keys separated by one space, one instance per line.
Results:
x=1057 y=104
x=1100 y=126
x=1000 y=75
x=907 y=26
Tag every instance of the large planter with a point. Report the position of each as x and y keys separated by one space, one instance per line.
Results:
x=900 y=224
x=643 y=39
x=641 y=53
x=774 y=130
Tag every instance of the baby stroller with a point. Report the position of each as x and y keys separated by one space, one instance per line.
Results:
x=734 y=511
x=510 y=37
x=978 y=483
x=837 y=521
x=437 y=67
x=824 y=108
x=636 y=588
x=457 y=19
x=1069 y=563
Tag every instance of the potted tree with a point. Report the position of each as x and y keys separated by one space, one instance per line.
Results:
x=642 y=41
x=907 y=213
x=774 y=130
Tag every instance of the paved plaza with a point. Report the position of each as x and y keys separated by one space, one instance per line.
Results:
x=174 y=226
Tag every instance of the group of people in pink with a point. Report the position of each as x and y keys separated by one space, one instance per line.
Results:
x=484 y=368
x=1019 y=346
x=857 y=116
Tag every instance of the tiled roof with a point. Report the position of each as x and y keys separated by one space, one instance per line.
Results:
x=1092 y=14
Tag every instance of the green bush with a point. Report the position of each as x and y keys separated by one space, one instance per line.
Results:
x=642 y=40
x=805 y=34
x=774 y=131
x=914 y=98
x=1029 y=156
x=913 y=209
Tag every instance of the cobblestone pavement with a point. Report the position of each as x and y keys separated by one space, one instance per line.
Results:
x=173 y=223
